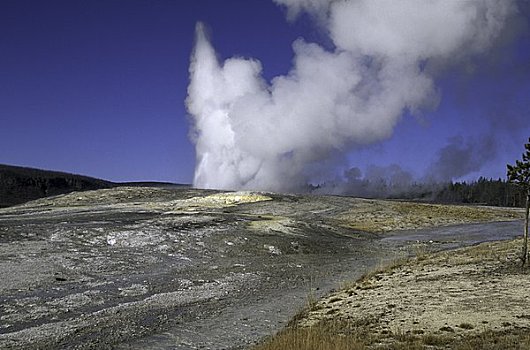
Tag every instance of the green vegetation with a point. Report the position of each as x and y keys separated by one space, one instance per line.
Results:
x=483 y=191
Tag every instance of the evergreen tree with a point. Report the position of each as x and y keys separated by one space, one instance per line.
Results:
x=519 y=174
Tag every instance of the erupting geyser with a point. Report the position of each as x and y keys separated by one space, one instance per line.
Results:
x=254 y=134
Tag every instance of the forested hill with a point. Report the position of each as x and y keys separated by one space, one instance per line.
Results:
x=19 y=185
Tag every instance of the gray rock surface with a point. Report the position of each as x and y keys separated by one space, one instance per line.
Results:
x=155 y=268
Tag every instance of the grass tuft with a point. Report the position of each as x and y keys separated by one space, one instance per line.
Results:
x=323 y=336
x=335 y=335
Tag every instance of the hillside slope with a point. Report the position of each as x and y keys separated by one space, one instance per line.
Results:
x=19 y=184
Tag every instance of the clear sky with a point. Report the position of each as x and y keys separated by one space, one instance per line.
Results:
x=98 y=87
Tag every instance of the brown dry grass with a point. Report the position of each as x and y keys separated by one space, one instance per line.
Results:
x=344 y=336
x=472 y=298
x=382 y=216
x=328 y=336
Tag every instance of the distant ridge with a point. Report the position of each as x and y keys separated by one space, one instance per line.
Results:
x=20 y=184
x=152 y=184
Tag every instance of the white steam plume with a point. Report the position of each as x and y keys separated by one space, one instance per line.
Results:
x=251 y=134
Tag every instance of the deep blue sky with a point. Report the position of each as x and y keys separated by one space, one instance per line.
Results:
x=97 y=87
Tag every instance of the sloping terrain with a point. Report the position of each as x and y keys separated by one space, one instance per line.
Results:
x=180 y=268
x=469 y=298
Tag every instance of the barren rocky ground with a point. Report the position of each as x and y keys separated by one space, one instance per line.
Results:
x=179 y=268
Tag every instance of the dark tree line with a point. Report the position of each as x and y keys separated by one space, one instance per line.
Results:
x=483 y=191
x=519 y=175
x=19 y=185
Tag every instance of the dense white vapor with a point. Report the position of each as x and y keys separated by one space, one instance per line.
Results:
x=252 y=134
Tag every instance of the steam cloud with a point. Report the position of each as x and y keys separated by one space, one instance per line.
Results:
x=378 y=182
x=254 y=134
x=460 y=158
